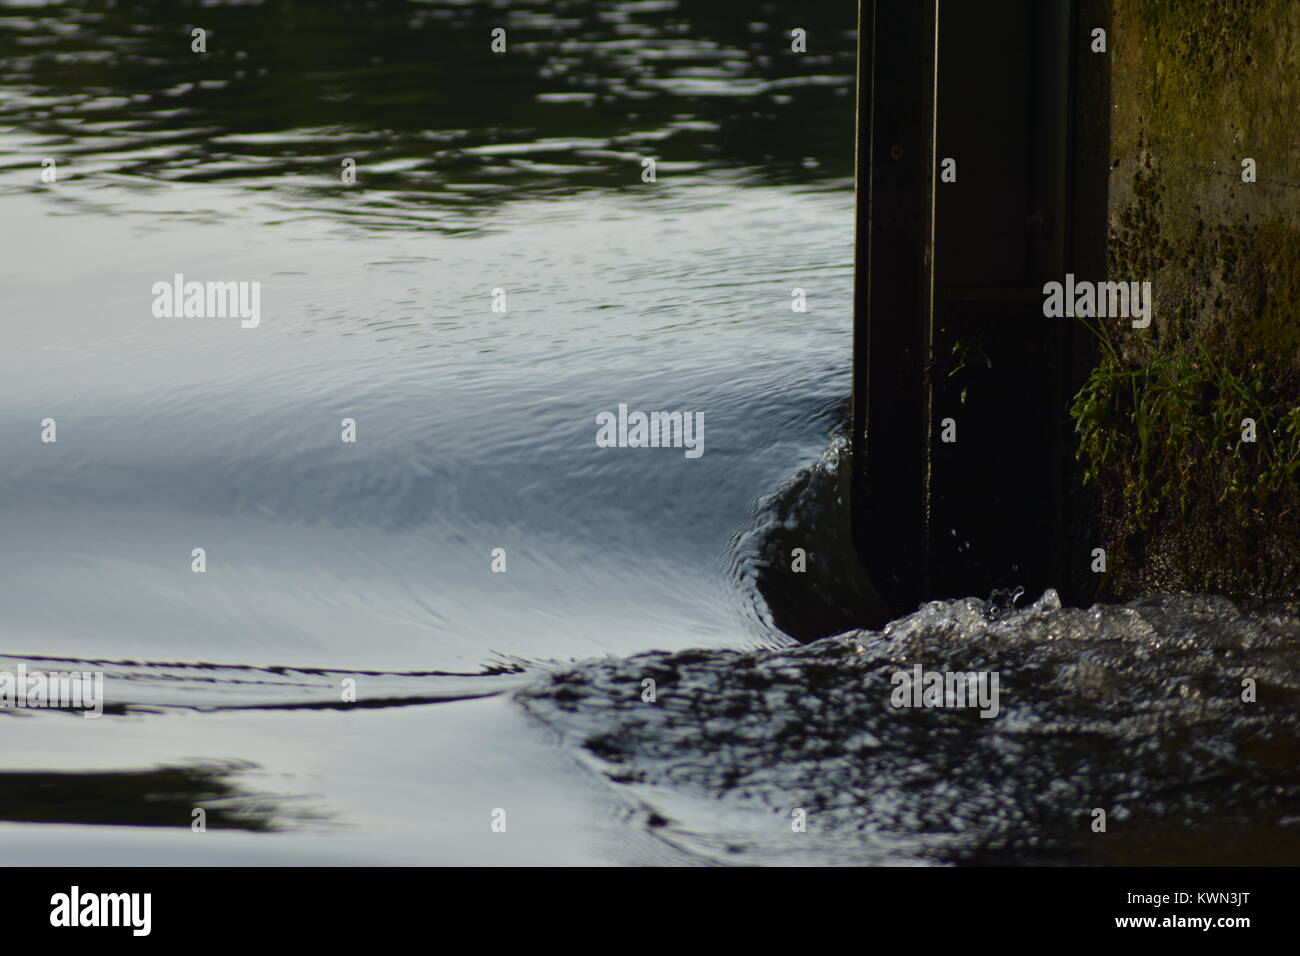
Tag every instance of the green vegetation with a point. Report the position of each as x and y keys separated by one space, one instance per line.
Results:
x=1166 y=432
x=1186 y=501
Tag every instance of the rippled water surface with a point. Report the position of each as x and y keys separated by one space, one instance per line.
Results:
x=372 y=562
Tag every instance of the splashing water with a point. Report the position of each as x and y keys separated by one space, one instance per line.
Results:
x=1136 y=710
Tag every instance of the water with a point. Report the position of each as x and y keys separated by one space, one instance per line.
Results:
x=372 y=562
x=1137 y=711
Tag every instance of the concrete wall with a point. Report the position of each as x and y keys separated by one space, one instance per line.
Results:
x=1196 y=87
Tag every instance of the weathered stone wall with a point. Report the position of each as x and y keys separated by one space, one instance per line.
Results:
x=1196 y=87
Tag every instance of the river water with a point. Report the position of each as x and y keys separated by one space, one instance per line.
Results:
x=374 y=565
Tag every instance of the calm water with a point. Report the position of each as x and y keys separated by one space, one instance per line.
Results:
x=372 y=562
x=475 y=429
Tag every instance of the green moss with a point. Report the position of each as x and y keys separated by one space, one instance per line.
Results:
x=1274 y=271
x=1185 y=502
x=1193 y=47
x=1138 y=248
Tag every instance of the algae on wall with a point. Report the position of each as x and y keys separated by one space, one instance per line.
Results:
x=1198 y=87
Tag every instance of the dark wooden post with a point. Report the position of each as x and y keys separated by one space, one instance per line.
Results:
x=949 y=336
x=892 y=295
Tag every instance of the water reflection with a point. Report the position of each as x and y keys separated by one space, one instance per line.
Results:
x=440 y=126
x=328 y=561
x=159 y=797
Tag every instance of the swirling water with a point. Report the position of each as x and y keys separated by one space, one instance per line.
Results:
x=372 y=562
